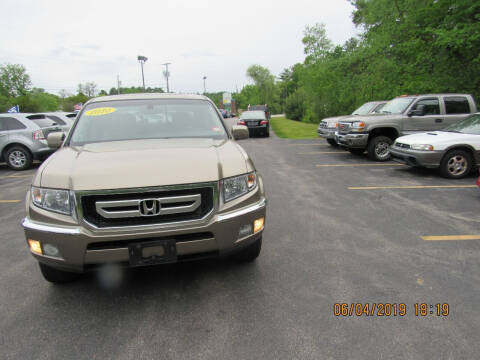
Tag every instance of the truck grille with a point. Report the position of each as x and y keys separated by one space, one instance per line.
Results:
x=343 y=127
x=145 y=208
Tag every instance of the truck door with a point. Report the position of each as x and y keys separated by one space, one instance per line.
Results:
x=456 y=108
x=430 y=120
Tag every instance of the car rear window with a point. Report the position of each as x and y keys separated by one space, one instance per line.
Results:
x=9 y=123
x=41 y=120
x=57 y=120
x=457 y=105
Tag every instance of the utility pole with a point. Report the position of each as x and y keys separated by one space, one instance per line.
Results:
x=204 y=87
x=166 y=74
x=142 y=60
x=118 y=84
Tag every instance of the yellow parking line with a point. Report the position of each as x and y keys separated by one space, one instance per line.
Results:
x=369 y=164
x=412 y=187
x=14 y=176
x=450 y=237
x=322 y=152
x=8 y=201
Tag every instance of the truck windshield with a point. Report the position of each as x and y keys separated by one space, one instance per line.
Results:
x=469 y=125
x=396 y=106
x=147 y=119
x=364 y=109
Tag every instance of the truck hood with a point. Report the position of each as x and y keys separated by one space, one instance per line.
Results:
x=335 y=119
x=439 y=138
x=142 y=163
x=372 y=118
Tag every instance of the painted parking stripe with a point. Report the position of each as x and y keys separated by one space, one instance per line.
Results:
x=323 y=152
x=9 y=201
x=14 y=176
x=412 y=187
x=368 y=164
x=450 y=237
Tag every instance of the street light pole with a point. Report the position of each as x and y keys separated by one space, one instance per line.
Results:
x=204 y=87
x=142 y=60
x=167 y=74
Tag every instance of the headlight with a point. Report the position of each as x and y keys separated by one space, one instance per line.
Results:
x=52 y=200
x=238 y=186
x=358 y=125
x=422 y=147
x=332 y=125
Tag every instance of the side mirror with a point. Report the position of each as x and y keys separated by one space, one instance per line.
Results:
x=240 y=132
x=419 y=111
x=55 y=139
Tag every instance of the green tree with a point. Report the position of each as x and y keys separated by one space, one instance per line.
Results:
x=316 y=43
x=14 y=80
x=264 y=81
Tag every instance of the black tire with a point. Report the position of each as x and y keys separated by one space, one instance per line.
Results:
x=332 y=142
x=18 y=158
x=376 y=148
x=456 y=164
x=57 y=276
x=250 y=253
x=356 y=151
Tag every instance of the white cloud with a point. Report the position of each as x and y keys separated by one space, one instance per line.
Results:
x=64 y=42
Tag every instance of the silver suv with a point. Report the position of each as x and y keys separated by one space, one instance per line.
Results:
x=23 y=139
x=403 y=115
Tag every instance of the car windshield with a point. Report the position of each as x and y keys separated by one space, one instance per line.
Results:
x=364 y=109
x=469 y=125
x=396 y=106
x=253 y=115
x=147 y=119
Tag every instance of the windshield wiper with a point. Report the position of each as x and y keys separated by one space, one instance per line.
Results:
x=454 y=131
x=386 y=112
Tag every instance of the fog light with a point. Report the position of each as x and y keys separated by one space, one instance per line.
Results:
x=245 y=230
x=35 y=246
x=51 y=250
x=258 y=225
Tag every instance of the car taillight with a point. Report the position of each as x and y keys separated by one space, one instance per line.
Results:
x=263 y=122
x=241 y=122
x=38 y=135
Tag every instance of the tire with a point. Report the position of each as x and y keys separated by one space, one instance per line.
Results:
x=456 y=164
x=332 y=142
x=355 y=151
x=18 y=158
x=57 y=276
x=378 y=148
x=250 y=253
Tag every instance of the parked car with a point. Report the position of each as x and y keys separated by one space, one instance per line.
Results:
x=454 y=150
x=478 y=181
x=23 y=139
x=144 y=179
x=64 y=119
x=224 y=113
x=403 y=115
x=256 y=122
x=328 y=126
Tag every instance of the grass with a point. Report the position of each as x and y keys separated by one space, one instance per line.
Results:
x=289 y=129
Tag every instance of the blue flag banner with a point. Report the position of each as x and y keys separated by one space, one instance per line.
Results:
x=14 y=109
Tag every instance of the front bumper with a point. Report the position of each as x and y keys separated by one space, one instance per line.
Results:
x=326 y=133
x=429 y=159
x=81 y=247
x=352 y=140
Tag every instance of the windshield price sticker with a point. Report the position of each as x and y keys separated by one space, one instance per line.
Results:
x=100 y=111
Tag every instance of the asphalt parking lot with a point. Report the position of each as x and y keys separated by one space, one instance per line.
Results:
x=340 y=229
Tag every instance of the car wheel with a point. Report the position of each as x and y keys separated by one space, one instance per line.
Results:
x=57 y=276
x=355 y=151
x=332 y=142
x=250 y=253
x=456 y=164
x=378 y=148
x=18 y=158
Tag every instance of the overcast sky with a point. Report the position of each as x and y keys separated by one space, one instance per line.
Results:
x=64 y=42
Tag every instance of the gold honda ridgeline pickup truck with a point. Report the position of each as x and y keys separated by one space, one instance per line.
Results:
x=142 y=180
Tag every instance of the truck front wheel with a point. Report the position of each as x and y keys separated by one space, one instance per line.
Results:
x=379 y=148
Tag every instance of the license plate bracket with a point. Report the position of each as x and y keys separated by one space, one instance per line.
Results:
x=152 y=252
